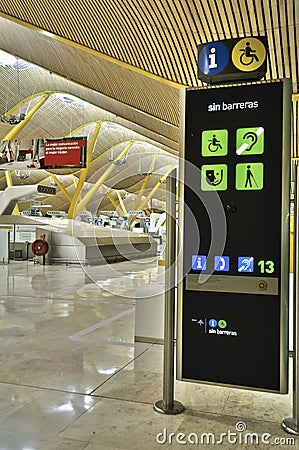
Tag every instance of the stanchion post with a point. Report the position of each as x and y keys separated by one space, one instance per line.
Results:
x=168 y=405
x=291 y=424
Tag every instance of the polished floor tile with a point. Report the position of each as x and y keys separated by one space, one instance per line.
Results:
x=72 y=376
x=112 y=422
x=36 y=423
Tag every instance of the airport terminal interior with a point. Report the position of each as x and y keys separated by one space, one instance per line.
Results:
x=91 y=129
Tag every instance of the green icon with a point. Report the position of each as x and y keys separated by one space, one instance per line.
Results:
x=214 y=143
x=214 y=177
x=222 y=323
x=249 y=176
x=250 y=141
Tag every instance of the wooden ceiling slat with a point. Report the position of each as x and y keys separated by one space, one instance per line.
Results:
x=166 y=38
x=209 y=19
x=257 y=13
x=236 y=16
x=159 y=36
x=182 y=38
x=195 y=18
x=228 y=6
x=174 y=28
x=278 y=26
x=292 y=44
x=221 y=20
x=151 y=38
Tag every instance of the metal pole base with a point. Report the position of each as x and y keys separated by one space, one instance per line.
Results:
x=177 y=407
x=290 y=426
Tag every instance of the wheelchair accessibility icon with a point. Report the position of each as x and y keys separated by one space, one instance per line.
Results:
x=214 y=142
x=248 y=54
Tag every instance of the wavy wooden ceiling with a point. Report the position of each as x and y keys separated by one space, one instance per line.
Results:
x=161 y=36
x=128 y=49
x=136 y=55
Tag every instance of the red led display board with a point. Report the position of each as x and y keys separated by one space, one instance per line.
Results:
x=67 y=152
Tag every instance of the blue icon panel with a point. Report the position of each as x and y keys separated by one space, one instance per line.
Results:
x=213 y=58
x=221 y=263
x=213 y=323
x=245 y=264
x=199 y=262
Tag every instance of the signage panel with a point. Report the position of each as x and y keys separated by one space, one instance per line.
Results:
x=21 y=155
x=232 y=59
x=67 y=152
x=233 y=304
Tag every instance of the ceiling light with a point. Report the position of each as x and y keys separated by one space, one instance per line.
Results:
x=72 y=100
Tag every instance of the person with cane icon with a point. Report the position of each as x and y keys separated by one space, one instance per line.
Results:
x=249 y=177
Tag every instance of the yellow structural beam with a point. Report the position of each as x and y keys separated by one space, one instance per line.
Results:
x=101 y=180
x=61 y=187
x=17 y=128
x=15 y=211
x=75 y=180
x=114 y=203
x=121 y=203
x=8 y=178
x=161 y=204
x=83 y=172
x=84 y=125
x=155 y=188
x=145 y=182
x=143 y=204
x=27 y=100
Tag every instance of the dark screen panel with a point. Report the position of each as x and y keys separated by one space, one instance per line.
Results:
x=231 y=333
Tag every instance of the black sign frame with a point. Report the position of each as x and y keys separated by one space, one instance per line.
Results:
x=231 y=73
x=248 y=346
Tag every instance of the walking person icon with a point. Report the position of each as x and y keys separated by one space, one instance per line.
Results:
x=249 y=177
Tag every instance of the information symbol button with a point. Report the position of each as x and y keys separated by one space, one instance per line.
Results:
x=213 y=323
x=199 y=262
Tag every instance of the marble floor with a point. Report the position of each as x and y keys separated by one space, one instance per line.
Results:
x=72 y=376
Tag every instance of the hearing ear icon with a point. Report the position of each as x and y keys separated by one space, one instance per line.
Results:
x=251 y=136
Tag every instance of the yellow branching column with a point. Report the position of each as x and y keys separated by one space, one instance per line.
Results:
x=102 y=179
x=17 y=128
x=61 y=187
x=16 y=211
x=121 y=203
x=109 y=195
x=83 y=172
x=145 y=182
x=152 y=193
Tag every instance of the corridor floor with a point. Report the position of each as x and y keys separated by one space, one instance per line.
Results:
x=72 y=376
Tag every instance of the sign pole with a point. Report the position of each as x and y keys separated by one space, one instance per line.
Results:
x=168 y=405
x=291 y=424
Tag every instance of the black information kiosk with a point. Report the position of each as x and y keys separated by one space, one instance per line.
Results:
x=232 y=310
